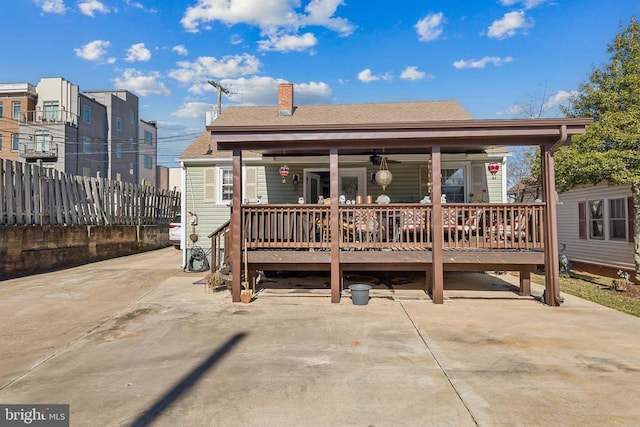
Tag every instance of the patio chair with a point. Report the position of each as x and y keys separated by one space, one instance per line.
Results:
x=413 y=223
x=471 y=225
x=513 y=231
x=365 y=226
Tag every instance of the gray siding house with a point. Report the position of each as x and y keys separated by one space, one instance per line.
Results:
x=595 y=225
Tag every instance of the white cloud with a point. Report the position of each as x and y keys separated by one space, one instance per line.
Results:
x=180 y=49
x=528 y=4
x=236 y=39
x=140 y=83
x=256 y=90
x=192 y=110
x=261 y=90
x=412 y=73
x=535 y=110
x=208 y=67
x=561 y=97
x=367 y=76
x=288 y=43
x=482 y=63
x=94 y=51
x=510 y=24
x=429 y=28
x=139 y=5
x=273 y=17
x=51 y=6
x=90 y=7
x=320 y=12
x=137 y=52
x=311 y=93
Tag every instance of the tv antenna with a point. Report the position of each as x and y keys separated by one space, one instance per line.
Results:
x=221 y=89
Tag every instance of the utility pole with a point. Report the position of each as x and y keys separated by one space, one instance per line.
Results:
x=221 y=89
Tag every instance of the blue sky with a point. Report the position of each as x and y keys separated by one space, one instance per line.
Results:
x=495 y=57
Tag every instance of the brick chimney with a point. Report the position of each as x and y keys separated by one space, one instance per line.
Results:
x=285 y=99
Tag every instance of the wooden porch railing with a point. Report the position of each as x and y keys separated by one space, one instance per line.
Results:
x=396 y=226
x=220 y=245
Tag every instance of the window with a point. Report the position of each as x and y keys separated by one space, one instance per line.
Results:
x=15 y=110
x=51 y=110
x=86 y=171
x=1 y=110
x=15 y=142
x=148 y=137
x=43 y=142
x=453 y=184
x=0 y=142
x=131 y=168
x=86 y=145
x=148 y=162
x=118 y=123
x=596 y=219
x=119 y=151
x=132 y=117
x=225 y=185
x=618 y=219
x=86 y=114
x=132 y=144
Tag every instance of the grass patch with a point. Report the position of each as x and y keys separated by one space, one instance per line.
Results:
x=596 y=289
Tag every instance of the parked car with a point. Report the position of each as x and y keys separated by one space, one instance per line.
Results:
x=175 y=231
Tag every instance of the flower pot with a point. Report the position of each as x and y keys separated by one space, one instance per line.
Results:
x=246 y=295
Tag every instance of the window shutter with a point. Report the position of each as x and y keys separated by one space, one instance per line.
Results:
x=251 y=184
x=209 y=185
x=630 y=219
x=582 y=221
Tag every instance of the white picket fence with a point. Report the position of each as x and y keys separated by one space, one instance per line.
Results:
x=30 y=195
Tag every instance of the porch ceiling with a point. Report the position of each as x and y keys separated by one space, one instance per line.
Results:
x=455 y=136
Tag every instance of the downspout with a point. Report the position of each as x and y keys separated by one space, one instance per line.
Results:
x=564 y=137
x=552 y=269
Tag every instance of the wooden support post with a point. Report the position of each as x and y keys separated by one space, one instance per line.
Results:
x=551 y=268
x=525 y=283
x=236 y=227
x=336 y=274
x=437 y=286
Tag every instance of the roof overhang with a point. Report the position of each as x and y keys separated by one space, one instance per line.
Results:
x=405 y=137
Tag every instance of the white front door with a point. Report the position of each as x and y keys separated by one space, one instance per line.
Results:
x=352 y=183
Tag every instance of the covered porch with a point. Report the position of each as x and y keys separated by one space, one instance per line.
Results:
x=339 y=237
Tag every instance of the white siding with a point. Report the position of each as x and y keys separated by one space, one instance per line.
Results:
x=616 y=254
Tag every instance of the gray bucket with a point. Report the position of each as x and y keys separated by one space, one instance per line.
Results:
x=360 y=293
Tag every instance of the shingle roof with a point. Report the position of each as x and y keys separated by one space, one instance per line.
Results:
x=348 y=114
x=203 y=147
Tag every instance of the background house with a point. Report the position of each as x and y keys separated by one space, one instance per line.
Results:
x=596 y=225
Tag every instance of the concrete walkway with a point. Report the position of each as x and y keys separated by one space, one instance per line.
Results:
x=132 y=341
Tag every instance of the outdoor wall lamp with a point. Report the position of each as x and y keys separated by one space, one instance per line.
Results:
x=296 y=179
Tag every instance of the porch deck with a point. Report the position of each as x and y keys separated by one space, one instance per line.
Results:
x=475 y=237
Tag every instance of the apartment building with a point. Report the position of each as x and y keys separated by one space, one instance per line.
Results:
x=15 y=100
x=91 y=133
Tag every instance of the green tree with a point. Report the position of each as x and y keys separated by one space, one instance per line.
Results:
x=609 y=151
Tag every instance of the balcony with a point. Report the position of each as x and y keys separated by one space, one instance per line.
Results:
x=33 y=151
x=55 y=116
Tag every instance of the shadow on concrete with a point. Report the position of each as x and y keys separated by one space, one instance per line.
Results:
x=186 y=383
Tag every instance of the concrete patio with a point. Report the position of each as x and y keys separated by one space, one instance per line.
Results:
x=133 y=341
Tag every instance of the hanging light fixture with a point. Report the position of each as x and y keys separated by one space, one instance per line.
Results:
x=284 y=173
x=384 y=176
x=493 y=168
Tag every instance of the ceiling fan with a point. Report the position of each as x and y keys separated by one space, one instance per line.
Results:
x=375 y=159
